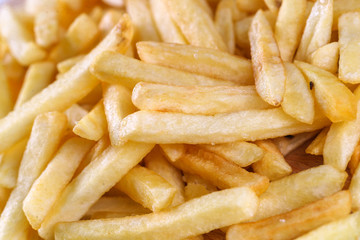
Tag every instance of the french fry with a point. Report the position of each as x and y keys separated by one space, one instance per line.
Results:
x=273 y=164
x=140 y=13
x=336 y=101
x=249 y=125
x=67 y=64
x=293 y=224
x=343 y=228
x=19 y=39
x=156 y=162
x=196 y=100
x=269 y=71
x=317 y=145
x=298 y=101
x=289 y=143
x=203 y=61
x=349 y=47
x=70 y=88
x=225 y=26
x=326 y=57
x=117 y=105
x=299 y=189
x=147 y=188
x=317 y=30
x=194 y=217
x=250 y=5
x=33 y=7
x=6 y=103
x=239 y=152
x=354 y=160
x=46 y=28
x=96 y=179
x=45 y=137
x=289 y=26
x=109 y=20
x=196 y=25
x=218 y=171
x=74 y=114
x=105 y=68
x=93 y=125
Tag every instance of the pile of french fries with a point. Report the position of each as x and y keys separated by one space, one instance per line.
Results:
x=176 y=119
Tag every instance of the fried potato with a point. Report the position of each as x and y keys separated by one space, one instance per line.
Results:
x=203 y=61
x=68 y=89
x=316 y=147
x=6 y=102
x=326 y=57
x=190 y=178
x=289 y=26
x=289 y=143
x=198 y=216
x=336 y=101
x=268 y=68
x=293 y=224
x=225 y=26
x=46 y=28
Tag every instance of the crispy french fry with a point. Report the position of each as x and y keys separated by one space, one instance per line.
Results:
x=326 y=57
x=293 y=224
x=241 y=153
x=273 y=164
x=74 y=114
x=117 y=105
x=354 y=160
x=336 y=101
x=194 y=217
x=105 y=68
x=71 y=87
x=46 y=28
x=6 y=102
x=203 y=61
x=317 y=145
x=249 y=125
x=250 y=5
x=289 y=26
x=96 y=179
x=289 y=143
x=67 y=64
x=299 y=189
x=225 y=26
x=196 y=25
x=317 y=30
x=268 y=68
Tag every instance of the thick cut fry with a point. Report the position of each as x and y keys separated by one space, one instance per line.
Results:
x=293 y=224
x=326 y=57
x=198 y=216
x=156 y=162
x=147 y=188
x=46 y=28
x=68 y=89
x=67 y=64
x=196 y=99
x=349 y=37
x=45 y=137
x=298 y=101
x=273 y=164
x=93 y=125
x=19 y=39
x=317 y=145
x=225 y=26
x=247 y=125
x=317 y=32
x=268 y=68
x=168 y=30
x=289 y=26
x=299 y=189
x=203 y=61
x=106 y=68
x=117 y=105
x=241 y=153
x=96 y=179
x=6 y=103
x=344 y=228
x=218 y=171
x=140 y=13
x=196 y=25
x=250 y=5
x=289 y=143
x=38 y=76
x=335 y=99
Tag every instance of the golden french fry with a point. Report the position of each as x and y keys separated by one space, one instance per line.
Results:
x=289 y=143
x=317 y=32
x=67 y=64
x=198 y=216
x=317 y=145
x=239 y=152
x=117 y=105
x=299 y=189
x=96 y=179
x=289 y=26
x=203 y=61
x=293 y=224
x=6 y=102
x=247 y=125
x=74 y=114
x=250 y=5
x=273 y=164
x=326 y=57
x=68 y=89
x=196 y=25
x=225 y=26
x=105 y=68
x=268 y=68
x=354 y=160
x=46 y=28
x=336 y=101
